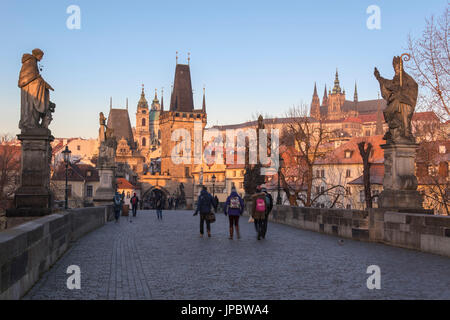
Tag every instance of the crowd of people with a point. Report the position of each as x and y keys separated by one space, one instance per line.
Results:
x=207 y=206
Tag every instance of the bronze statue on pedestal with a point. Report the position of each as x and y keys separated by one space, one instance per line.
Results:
x=401 y=95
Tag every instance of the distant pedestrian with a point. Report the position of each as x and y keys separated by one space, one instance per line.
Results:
x=259 y=208
x=159 y=206
x=205 y=203
x=134 y=204
x=216 y=203
x=269 y=207
x=117 y=206
x=234 y=207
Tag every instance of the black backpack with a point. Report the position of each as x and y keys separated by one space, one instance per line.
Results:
x=205 y=203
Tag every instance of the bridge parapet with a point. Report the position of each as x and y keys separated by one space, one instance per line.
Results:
x=30 y=249
x=423 y=232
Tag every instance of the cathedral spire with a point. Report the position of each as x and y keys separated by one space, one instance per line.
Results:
x=325 y=97
x=162 y=99
x=315 y=104
x=204 y=101
x=355 y=97
x=110 y=102
x=337 y=86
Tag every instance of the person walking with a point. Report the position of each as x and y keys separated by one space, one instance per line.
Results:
x=117 y=206
x=269 y=207
x=204 y=203
x=259 y=208
x=234 y=207
x=134 y=204
x=159 y=206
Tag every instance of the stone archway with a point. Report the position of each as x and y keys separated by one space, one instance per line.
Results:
x=151 y=194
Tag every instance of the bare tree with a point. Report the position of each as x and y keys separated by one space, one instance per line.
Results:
x=365 y=155
x=433 y=175
x=431 y=63
x=304 y=138
x=9 y=169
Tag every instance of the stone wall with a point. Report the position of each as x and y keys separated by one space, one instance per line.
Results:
x=351 y=224
x=30 y=249
x=427 y=233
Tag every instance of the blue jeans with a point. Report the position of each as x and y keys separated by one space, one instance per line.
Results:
x=159 y=213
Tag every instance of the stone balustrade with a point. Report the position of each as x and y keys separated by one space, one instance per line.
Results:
x=30 y=249
x=427 y=233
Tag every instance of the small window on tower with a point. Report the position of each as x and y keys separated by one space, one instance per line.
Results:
x=144 y=142
x=143 y=122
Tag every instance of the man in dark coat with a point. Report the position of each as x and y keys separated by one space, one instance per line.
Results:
x=204 y=204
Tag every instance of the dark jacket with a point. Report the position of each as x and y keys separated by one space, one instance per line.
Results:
x=137 y=201
x=159 y=203
x=204 y=203
x=234 y=211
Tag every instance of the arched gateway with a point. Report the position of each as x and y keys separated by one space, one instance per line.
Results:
x=152 y=194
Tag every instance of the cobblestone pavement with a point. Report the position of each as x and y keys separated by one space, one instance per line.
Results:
x=151 y=259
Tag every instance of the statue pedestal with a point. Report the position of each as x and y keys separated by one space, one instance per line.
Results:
x=400 y=182
x=106 y=190
x=33 y=198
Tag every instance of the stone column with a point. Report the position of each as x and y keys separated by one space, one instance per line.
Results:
x=400 y=182
x=33 y=198
x=106 y=190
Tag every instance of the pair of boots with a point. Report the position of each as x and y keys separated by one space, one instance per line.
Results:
x=237 y=233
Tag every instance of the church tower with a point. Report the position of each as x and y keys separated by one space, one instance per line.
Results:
x=315 y=104
x=181 y=115
x=336 y=100
x=142 y=123
x=154 y=129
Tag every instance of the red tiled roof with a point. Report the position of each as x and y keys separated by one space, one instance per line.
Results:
x=123 y=183
x=371 y=117
x=353 y=119
x=76 y=172
x=425 y=116
x=337 y=156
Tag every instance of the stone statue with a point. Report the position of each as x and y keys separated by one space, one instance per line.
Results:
x=36 y=107
x=401 y=96
x=102 y=130
x=108 y=146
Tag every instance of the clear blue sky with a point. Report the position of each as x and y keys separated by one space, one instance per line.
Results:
x=251 y=55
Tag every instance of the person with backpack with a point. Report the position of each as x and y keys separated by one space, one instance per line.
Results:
x=134 y=204
x=269 y=207
x=117 y=205
x=234 y=207
x=204 y=203
x=259 y=209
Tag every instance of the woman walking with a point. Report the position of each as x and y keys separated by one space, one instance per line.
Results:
x=234 y=207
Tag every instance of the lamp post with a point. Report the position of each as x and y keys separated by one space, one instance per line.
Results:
x=213 y=178
x=66 y=153
x=280 y=165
